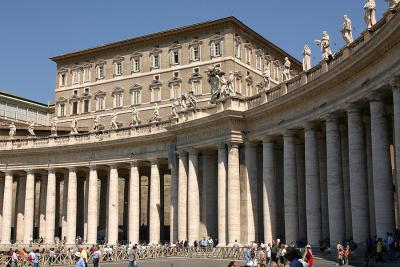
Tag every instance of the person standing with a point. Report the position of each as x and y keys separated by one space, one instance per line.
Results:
x=308 y=256
x=79 y=262
x=132 y=256
x=95 y=256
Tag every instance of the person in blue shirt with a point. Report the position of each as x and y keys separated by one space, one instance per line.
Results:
x=293 y=255
x=79 y=261
x=247 y=256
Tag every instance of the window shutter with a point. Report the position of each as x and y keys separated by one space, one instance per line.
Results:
x=212 y=49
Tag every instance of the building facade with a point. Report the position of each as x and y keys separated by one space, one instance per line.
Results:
x=307 y=159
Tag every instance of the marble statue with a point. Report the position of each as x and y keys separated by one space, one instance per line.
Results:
x=191 y=101
x=223 y=83
x=266 y=77
x=156 y=115
x=306 y=58
x=31 y=128
x=392 y=3
x=324 y=43
x=13 y=130
x=347 y=30
x=174 y=108
x=370 y=13
x=74 y=126
x=182 y=101
x=96 y=124
x=114 y=123
x=214 y=79
x=230 y=84
x=53 y=126
x=286 y=69
x=135 y=117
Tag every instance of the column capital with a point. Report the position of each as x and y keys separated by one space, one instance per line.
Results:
x=309 y=126
x=375 y=96
x=233 y=145
x=51 y=170
x=8 y=172
x=93 y=167
x=250 y=143
x=268 y=139
x=113 y=165
x=71 y=169
x=395 y=83
x=154 y=161
x=29 y=171
x=134 y=163
x=221 y=146
x=182 y=153
x=192 y=151
x=353 y=108
x=289 y=133
x=331 y=117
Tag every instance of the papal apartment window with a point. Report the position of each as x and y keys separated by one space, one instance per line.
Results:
x=136 y=97
x=197 y=88
x=62 y=79
x=100 y=72
x=248 y=55
x=175 y=59
x=155 y=94
x=175 y=91
x=118 y=100
x=238 y=50
x=195 y=53
x=62 y=110
x=86 y=104
x=216 y=49
x=75 y=76
x=118 y=68
x=74 y=108
x=101 y=103
x=86 y=75
x=136 y=64
x=155 y=61
x=259 y=62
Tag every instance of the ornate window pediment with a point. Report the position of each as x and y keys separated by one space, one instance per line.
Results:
x=74 y=98
x=174 y=80
x=135 y=87
x=248 y=46
x=260 y=52
x=155 y=50
x=99 y=94
x=175 y=46
x=195 y=77
x=86 y=65
x=155 y=84
x=101 y=62
x=61 y=99
x=136 y=55
x=117 y=90
x=62 y=70
x=216 y=38
x=195 y=42
x=118 y=59
x=76 y=68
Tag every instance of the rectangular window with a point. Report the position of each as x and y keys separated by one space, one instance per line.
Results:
x=31 y=115
x=100 y=103
x=156 y=61
x=156 y=95
x=197 y=89
x=248 y=56
x=74 y=108
x=259 y=62
x=118 y=100
x=62 y=79
x=238 y=49
x=75 y=76
x=86 y=90
x=118 y=68
x=86 y=75
x=62 y=110
x=86 y=105
x=136 y=97
x=175 y=91
x=2 y=109
x=216 y=49
x=136 y=64
x=175 y=57
x=100 y=72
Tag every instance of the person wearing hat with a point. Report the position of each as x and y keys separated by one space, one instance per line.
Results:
x=308 y=256
x=79 y=261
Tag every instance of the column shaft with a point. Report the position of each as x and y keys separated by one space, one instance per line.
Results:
x=396 y=125
x=222 y=165
x=193 y=199
x=20 y=209
x=233 y=194
x=29 y=206
x=155 y=204
x=269 y=177
x=50 y=207
x=174 y=203
x=134 y=201
x=334 y=182
x=71 y=206
x=358 y=176
x=1 y=203
x=290 y=189
x=321 y=144
x=7 y=209
x=93 y=209
x=301 y=191
x=42 y=207
x=383 y=185
x=182 y=196
x=313 y=195
x=370 y=175
x=112 y=226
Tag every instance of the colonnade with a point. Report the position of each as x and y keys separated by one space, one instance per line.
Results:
x=328 y=178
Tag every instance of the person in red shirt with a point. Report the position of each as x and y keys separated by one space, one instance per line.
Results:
x=308 y=256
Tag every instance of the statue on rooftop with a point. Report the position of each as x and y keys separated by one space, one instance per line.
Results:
x=174 y=108
x=13 y=130
x=324 y=43
x=74 y=126
x=230 y=84
x=214 y=79
x=156 y=115
x=392 y=3
x=191 y=101
x=347 y=30
x=31 y=128
x=266 y=77
x=370 y=13
x=96 y=124
x=306 y=58
x=286 y=69
x=114 y=123
x=135 y=117
x=53 y=126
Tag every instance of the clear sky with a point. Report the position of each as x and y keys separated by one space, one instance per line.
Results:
x=31 y=31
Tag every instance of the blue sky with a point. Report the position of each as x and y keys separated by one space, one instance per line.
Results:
x=33 y=31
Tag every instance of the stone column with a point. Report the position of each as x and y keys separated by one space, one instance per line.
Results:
x=358 y=176
x=155 y=204
x=301 y=190
x=313 y=195
x=269 y=177
x=193 y=198
x=29 y=205
x=20 y=205
x=134 y=203
x=290 y=188
x=396 y=125
x=7 y=209
x=334 y=181
x=210 y=194
x=222 y=169
x=182 y=196
x=174 y=203
x=233 y=194
x=383 y=185
x=42 y=206
x=50 y=207
x=93 y=206
x=321 y=144
x=370 y=175
x=64 y=223
x=251 y=191
x=112 y=225
x=1 y=203
x=71 y=206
